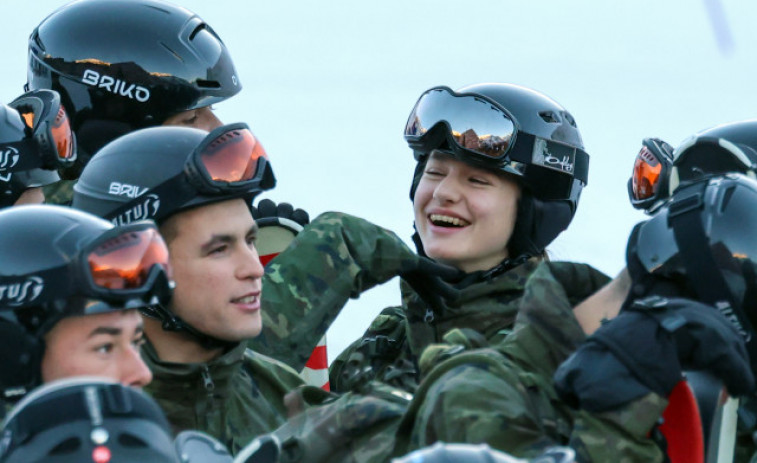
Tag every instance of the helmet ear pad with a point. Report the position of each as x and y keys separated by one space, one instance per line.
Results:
x=20 y=360
x=537 y=224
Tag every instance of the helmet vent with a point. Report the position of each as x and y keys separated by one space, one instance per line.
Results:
x=549 y=117
x=197 y=30
x=727 y=198
x=569 y=118
x=69 y=445
x=208 y=83
x=129 y=440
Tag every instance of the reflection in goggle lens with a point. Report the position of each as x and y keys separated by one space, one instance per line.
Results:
x=233 y=156
x=646 y=174
x=124 y=262
x=475 y=124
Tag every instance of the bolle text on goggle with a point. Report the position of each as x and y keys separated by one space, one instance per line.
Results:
x=230 y=160
x=481 y=128
x=50 y=143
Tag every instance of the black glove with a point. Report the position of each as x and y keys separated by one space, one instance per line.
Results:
x=278 y=225
x=432 y=282
x=268 y=213
x=646 y=347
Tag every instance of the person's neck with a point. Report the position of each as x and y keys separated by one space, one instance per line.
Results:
x=604 y=304
x=176 y=346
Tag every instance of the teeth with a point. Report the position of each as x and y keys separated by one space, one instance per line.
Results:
x=247 y=299
x=447 y=220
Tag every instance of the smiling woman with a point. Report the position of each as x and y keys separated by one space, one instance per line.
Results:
x=499 y=171
x=465 y=214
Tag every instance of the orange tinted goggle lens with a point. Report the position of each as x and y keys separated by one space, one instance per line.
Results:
x=62 y=135
x=125 y=261
x=233 y=156
x=646 y=174
x=60 y=131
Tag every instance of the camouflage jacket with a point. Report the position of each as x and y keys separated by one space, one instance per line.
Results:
x=503 y=395
x=336 y=257
x=234 y=398
x=390 y=348
x=61 y=192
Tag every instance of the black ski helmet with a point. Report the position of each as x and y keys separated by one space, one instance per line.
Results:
x=718 y=150
x=86 y=420
x=13 y=184
x=132 y=166
x=121 y=65
x=701 y=242
x=44 y=277
x=128 y=179
x=480 y=453
x=544 y=151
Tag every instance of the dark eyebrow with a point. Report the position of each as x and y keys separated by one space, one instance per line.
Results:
x=109 y=330
x=217 y=239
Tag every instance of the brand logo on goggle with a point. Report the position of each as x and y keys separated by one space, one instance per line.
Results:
x=146 y=209
x=553 y=159
x=22 y=292
x=124 y=189
x=116 y=86
x=8 y=159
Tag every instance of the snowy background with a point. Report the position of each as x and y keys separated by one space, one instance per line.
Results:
x=328 y=87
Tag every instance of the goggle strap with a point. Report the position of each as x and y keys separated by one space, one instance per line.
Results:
x=526 y=144
x=151 y=204
x=696 y=253
x=34 y=289
x=27 y=158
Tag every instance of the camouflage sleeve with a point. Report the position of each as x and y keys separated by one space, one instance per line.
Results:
x=336 y=257
x=492 y=401
x=546 y=332
x=61 y=192
x=380 y=354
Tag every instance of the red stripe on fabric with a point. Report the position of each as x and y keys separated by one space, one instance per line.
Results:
x=318 y=359
x=267 y=258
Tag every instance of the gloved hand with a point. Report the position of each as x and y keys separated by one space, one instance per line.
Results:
x=646 y=347
x=432 y=282
x=269 y=213
x=278 y=225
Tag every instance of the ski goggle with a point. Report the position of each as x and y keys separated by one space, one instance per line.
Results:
x=50 y=132
x=127 y=259
x=480 y=129
x=125 y=265
x=700 y=157
x=648 y=185
x=230 y=161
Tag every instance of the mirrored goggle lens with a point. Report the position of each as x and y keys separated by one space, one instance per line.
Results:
x=474 y=123
x=646 y=174
x=233 y=156
x=125 y=261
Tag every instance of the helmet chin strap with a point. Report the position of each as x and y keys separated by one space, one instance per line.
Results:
x=170 y=322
